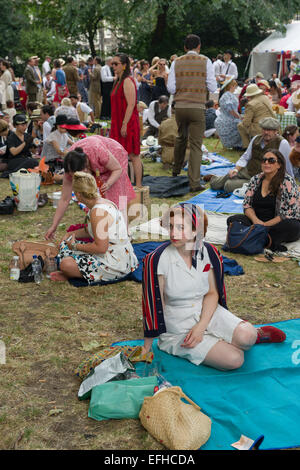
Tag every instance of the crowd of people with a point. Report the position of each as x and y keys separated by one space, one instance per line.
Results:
x=49 y=112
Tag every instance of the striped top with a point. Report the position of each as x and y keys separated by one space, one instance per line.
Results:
x=153 y=316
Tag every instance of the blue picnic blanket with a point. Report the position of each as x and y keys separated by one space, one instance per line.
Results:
x=260 y=398
x=231 y=267
x=219 y=166
x=207 y=199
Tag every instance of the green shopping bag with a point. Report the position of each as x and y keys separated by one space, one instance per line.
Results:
x=121 y=398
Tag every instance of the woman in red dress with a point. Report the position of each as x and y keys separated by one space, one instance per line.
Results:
x=125 y=127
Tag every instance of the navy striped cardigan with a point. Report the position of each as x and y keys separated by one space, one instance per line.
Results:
x=153 y=316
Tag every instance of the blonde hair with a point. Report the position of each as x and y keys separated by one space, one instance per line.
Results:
x=232 y=83
x=66 y=102
x=154 y=60
x=85 y=184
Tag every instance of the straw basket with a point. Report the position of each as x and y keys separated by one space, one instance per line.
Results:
x=138 y=207
x=175 y=424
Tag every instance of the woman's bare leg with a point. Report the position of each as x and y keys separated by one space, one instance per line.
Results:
x=68 y=268
x=244 y=336
x=225 y=356
x=137 y=168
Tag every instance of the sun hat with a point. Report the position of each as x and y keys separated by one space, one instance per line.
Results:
x=253 y=90
x=3 y=125
x=142 y=105
x=269 y=123
x=151 y=141
x=62 y=62
x=229 y=80
x=36 y=114
x=296 y=98
x=259 y=75
x=19 y=119
x=263 y=82
x=73 y=124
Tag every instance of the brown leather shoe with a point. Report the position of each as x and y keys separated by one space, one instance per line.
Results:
x=197 y=189
x=207 y=177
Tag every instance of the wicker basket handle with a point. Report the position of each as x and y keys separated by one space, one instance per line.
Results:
x=179 y=392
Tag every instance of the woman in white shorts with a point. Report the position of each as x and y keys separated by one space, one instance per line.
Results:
x=184 y=299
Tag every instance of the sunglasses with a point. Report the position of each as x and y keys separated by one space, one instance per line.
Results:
x=115 y=63
x=270 y=160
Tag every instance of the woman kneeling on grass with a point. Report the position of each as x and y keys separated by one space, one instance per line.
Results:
x=184 y=299
x=110 y=255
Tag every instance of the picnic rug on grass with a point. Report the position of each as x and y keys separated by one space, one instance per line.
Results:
x=209 y=202
x=231 y=267
x=260 y=398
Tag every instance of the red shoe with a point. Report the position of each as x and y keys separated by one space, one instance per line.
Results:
x=270 y=334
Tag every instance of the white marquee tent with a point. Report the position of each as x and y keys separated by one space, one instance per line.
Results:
x=273 y=54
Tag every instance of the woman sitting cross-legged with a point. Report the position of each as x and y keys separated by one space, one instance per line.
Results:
x=110 y=255
x=273 y=199
x=184 y=299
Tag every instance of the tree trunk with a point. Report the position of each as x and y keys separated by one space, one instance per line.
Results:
x=158 y=33
x=91 y=36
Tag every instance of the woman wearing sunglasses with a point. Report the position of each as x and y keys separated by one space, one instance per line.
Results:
x=273 y=200
x=125 y=124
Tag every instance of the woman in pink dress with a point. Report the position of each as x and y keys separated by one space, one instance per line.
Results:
x=92 y=154
x=125 y=127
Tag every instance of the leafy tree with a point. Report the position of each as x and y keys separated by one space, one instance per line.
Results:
x=40 y=41
x=238 y=24
x=12 y=21
x=83 y=18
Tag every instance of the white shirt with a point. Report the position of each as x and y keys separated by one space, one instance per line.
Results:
x=284 y=148
x=46 y=130
x=210 y=77
x=218 y=65
x=151 y=114
x=84 y=107
x=52 y=90
x=46 y=67
x=230 y=69
x=106 y=75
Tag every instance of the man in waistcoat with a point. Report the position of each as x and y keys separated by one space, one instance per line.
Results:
x=84 y=111
x=190 y=79
x=249 y=163
x=159 y=110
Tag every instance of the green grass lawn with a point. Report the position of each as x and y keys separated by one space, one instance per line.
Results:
x=46 y=330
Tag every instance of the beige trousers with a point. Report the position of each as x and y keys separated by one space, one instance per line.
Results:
x=191 y=127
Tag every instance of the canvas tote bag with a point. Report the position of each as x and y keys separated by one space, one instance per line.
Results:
x=26 y=188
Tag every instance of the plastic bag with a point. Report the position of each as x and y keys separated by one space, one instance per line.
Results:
x=25 y=187
x=110 y=369
x=120 y=399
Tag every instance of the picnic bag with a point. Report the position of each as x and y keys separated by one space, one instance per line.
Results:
x=120 y=399
x=25 y=187
x=175 y=424
x=25 y=250
x=246 y=240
